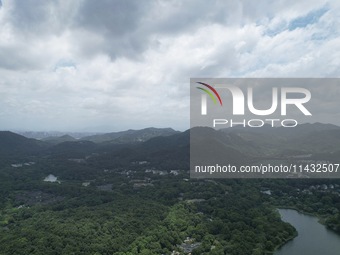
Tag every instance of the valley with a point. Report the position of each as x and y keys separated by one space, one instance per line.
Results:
x=135 y=196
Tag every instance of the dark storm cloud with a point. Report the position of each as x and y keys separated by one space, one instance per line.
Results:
x=27 y=28
x=34 y=19
x=117 y=23
x=127 y=28
x=111 y=17
x=30 y=16
x=124 y=28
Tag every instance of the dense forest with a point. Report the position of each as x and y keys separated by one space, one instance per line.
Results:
x=114 y=199
x=147 y=213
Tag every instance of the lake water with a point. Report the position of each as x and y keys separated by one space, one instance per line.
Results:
x=313 y=239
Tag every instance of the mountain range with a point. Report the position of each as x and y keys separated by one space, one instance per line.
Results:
x=166 y=145
x=130 y=136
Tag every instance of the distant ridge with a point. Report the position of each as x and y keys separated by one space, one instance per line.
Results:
x=131 y=136
x=40 y=135
x=169 y=147
x=304 y=138
x=59 y=139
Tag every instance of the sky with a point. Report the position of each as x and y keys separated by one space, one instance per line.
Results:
x=109 y=65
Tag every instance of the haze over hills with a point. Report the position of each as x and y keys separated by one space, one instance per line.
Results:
x=99 y=137
x=59 y=139
x=304 y=138
x=131 y=135
x=299 y=130
x=49 y=134
x=168 y=145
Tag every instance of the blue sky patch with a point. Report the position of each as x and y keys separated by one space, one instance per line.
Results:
x=65 y=63
x=311 y=18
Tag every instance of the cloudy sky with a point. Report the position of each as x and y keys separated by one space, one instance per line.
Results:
x=109 y=65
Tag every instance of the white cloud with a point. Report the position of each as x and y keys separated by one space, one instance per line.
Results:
x=70 y=71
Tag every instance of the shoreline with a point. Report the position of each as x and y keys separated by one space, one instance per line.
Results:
x=321 y=219
x=277 y=247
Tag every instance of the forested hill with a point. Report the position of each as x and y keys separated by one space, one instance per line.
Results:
x=11 y=143
x=168 y=148
x=136 y=197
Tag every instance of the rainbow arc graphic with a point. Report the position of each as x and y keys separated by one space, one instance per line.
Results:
x=211 y=92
